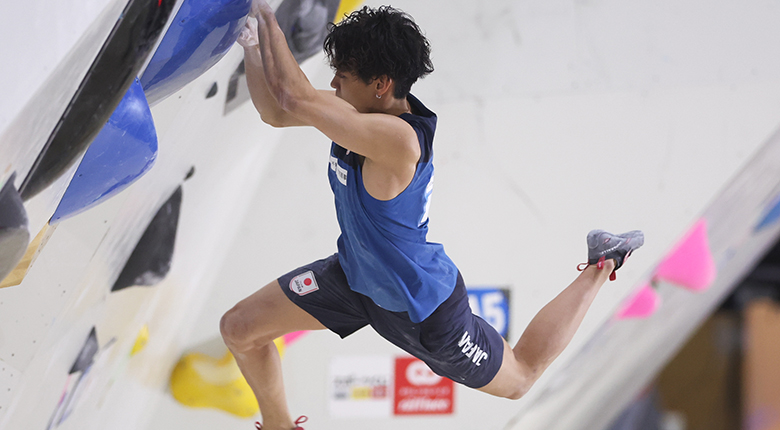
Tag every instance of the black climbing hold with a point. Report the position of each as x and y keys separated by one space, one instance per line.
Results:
x=190 y=173
x=304 y=24
x=232 y=90
x=14 y=234
x=237 y=91
x=87 y=354
x=151 y=259
x=212 y=91
x=108 y=78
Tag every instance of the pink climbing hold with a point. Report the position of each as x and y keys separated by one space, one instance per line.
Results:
x=643 y=303
x=289 y=338
x=690 y=263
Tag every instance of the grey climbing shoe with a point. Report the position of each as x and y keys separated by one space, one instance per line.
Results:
x=604 y=246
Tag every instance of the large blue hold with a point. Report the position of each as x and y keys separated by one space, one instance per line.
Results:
x=122 y=152
x=200 y=35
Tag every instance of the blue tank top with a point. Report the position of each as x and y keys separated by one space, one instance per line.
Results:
x=383 y=248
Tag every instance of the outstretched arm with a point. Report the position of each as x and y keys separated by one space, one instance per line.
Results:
x=381 y=138
x=264 y=102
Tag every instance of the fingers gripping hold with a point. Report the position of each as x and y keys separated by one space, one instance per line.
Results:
x=248 y=36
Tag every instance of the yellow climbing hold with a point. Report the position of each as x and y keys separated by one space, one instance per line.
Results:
x=200 y=381
x=140 y=340
x=281 y=346
x=345 y=8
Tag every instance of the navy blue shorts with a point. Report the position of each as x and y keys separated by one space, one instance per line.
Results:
x=452 y=341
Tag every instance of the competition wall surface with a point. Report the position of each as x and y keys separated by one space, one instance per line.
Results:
x=554 y=118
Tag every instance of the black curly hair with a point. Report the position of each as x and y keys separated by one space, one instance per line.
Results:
x=375 y=42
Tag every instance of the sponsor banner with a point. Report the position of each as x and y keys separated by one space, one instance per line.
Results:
x=419 y=391
x=361 y=387
x=492 y=304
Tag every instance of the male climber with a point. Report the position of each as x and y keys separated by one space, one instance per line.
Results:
x=385 y=273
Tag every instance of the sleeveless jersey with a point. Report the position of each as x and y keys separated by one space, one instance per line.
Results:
x=383 y=248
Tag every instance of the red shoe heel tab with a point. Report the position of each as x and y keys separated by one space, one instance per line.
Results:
x=301 y=419
x=258 y=426
x=582 y=266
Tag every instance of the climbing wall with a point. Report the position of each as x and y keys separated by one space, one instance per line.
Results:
x=120 y=193
x=141 y=197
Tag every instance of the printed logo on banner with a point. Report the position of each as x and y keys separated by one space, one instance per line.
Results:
x=419 y=391
x=492 y=304
x=361 y=386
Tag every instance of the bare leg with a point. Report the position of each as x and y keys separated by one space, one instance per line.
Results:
x=249 y=329
x=547 y=335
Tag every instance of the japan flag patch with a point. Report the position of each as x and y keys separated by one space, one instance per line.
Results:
x=304 y=284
